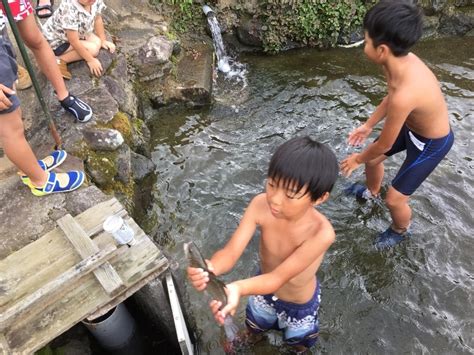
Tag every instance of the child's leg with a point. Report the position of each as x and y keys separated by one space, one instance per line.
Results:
x=17 y=148
x=400 y=211
x=43 y=53
x=374 y=171
x=92 y=43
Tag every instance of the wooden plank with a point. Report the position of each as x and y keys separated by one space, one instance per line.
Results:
x=105 y=274
x=40 y=261
x=52 y=255
x=71 y=275
x=161 y=266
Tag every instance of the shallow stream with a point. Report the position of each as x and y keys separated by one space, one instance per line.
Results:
x=416 y=298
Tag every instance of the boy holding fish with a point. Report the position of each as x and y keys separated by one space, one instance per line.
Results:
x=285 y=294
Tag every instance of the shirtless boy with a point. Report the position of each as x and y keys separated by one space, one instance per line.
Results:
x=415 y=112
x=285 y=293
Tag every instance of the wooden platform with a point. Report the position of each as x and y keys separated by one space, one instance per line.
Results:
x=75 y=271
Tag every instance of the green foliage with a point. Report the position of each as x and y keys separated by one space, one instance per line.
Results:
x=185 y=13
x=311 y=22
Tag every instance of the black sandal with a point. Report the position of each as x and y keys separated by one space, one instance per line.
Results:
x=44 y=7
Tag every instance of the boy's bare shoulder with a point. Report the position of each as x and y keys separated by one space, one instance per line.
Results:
x=322 y=228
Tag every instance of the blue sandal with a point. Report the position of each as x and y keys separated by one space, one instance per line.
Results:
x=389 y=239
x=53 y=160
x=358 y=190
x=59 y=182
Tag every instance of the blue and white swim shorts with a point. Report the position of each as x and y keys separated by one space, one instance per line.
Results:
x=298 y=322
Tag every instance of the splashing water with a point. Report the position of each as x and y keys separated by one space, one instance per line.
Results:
x=225 y=64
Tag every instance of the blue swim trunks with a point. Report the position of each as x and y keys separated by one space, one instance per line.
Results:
x=423 y=155
x=299 y=322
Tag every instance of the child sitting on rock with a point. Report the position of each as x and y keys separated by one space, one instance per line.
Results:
x=76 y=32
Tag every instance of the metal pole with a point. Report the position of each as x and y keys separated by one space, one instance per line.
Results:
x=29 y=67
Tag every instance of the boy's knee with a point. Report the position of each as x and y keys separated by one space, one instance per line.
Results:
x=10 y=126
x=35 y=42
x=94 y=48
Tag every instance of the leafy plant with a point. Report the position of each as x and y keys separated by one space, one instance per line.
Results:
x=311 y=22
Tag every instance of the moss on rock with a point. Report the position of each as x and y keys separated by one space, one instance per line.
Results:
x=122 y=123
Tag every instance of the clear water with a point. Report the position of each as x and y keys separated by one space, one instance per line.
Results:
x=416 y=298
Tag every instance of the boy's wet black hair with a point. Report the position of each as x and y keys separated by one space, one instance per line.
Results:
x=395 y=23
x=304 y=162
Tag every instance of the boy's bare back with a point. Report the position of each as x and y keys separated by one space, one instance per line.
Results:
x=282 y=239
x=417 y=88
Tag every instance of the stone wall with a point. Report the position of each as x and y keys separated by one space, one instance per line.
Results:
x=247 y=21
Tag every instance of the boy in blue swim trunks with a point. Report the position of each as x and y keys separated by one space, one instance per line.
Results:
x=285 y=294
x=36 y=174
x=415 y=113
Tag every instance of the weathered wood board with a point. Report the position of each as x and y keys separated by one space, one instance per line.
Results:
x=27 y=274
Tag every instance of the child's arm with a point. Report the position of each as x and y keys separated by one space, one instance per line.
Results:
x=223 y=260
x=100 y=31
x=399 y=107
x=263 y=284
x=360 y=134
x=93 y=63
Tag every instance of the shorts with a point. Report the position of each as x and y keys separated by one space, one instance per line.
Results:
x=8 y=72
x=423 y=155
x=61 y=49
x=20 y=9
x=298 y=322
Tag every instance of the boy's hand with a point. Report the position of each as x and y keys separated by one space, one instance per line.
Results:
x=95 y=67
x=233 y=297
x=359 y=135
x=5 y=103
x=349 y=164
x=198 y=277
x=110 y=46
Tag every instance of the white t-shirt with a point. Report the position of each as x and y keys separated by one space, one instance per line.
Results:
x=70 y=15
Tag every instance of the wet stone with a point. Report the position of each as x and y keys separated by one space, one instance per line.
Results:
x=124 y=167
x=156 y=52
x=103 y=139
x=141 y=166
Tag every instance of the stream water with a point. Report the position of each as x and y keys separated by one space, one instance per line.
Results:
x=415 y=298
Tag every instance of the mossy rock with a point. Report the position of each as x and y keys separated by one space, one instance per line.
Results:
x=122 y=123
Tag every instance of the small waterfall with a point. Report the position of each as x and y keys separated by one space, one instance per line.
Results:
x=225 y=64
x=222 y=58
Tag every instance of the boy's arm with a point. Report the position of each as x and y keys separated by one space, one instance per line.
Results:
x=360 y=134
x=306 y=254
x=379 y=113
x=399 y=107
x=100 y=31
x=74 y=40
x=99 y=28
x=224 y=259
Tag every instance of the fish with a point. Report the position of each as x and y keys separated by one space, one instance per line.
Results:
x=215 y=287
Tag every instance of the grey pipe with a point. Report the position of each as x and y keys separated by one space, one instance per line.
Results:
x=115 y=330
x=207 y=10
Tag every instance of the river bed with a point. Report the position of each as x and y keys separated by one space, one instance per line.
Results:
x=417 y=297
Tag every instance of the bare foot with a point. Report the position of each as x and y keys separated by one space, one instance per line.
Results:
x=44 y=12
